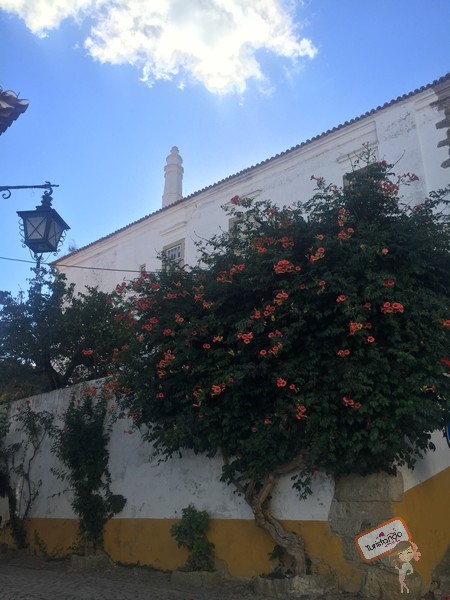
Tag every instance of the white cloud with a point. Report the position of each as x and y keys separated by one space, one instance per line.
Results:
x=42 y=15
x=214 y=42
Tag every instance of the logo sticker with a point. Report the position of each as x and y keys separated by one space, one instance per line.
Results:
x=382 y=539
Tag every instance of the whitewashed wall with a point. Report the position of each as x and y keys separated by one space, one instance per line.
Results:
x=160 y=490
x=405 y=132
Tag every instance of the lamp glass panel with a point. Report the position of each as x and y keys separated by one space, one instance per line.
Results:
x=35 y=227
x=54 y=233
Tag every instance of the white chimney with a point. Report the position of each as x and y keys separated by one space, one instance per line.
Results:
x=173 y=178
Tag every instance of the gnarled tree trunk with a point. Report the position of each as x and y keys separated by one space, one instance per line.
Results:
x=257 y=494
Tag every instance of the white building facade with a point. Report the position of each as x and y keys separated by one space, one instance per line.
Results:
x=413 y=130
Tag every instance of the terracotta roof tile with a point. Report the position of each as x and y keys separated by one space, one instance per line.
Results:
x=10 y=108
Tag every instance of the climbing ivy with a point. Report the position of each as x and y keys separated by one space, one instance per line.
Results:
x=190 y=533
x=17 y=458
x=81 y=444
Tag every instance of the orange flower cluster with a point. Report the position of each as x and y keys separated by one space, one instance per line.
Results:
x=276 y=333
x=408 y=176
x=320 y=253
x=269 y=310
x=354 y=327
x=277 y=347
x=168 y=357
x=143 y=304
x=286 y=241
x=392 y=308
x=227 y=276
x=357 y=326
x=285 y=266
x=217 y=389
x=272 y=351
x=236 y=268
x=343 y=353
x=259 y=244
x=120 y=287
x=343 y=217
x=280 y=298
x=301 y=409
x=245 y=337
x=389 y=187
x=345 y=234
x=349 y=402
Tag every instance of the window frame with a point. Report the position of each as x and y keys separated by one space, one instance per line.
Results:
x=175 y=262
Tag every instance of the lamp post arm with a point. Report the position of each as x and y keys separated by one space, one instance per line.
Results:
x=5 y=190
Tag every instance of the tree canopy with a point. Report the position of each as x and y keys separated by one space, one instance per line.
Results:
x=308 y=337
x=56 y=333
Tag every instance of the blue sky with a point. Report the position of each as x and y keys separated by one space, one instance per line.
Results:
x=230 y=82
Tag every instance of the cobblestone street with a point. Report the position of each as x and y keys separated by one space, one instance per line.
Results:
x=18 y=583
x=30 y=578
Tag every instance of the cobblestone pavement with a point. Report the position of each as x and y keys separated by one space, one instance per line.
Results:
x=28 y=578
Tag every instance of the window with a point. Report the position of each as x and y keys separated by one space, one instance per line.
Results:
x=367 y=170
x=234 y=223
x=173 y=254
x=233 y=226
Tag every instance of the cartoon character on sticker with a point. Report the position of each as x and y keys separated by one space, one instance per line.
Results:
x=401 y=557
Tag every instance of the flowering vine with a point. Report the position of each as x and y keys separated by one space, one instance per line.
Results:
x=304 y=342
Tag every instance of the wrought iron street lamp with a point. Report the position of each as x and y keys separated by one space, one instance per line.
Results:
x=42 y=229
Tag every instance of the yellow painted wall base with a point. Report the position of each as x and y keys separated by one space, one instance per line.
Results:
x=245 y=549
x=54 y=538
x=240 y=544
x=426 y=510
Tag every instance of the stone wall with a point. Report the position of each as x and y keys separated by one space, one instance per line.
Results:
x=360 y=504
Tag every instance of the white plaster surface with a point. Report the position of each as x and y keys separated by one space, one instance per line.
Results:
x=160 y=490
x=431 y=464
